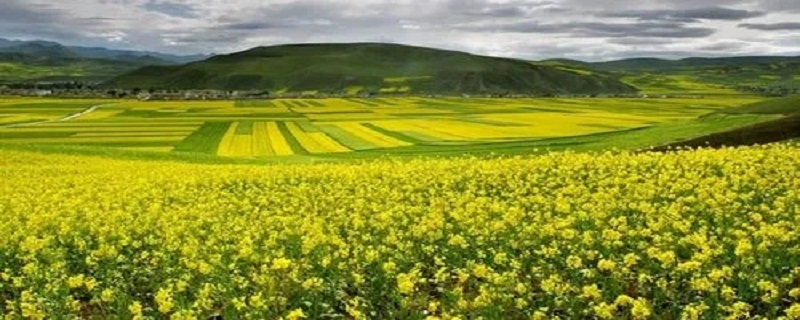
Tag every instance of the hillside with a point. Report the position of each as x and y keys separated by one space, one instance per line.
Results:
x=767 y=74
x=656 y=64
x=368 y=67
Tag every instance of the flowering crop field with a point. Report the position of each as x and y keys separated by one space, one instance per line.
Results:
x=704 y=234
x=343 y=127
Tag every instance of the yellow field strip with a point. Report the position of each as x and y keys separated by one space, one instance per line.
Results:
x=97 y=129
x=261 y=140
x=419 y=126
x=276 y=140
x=96 y=139
x=99 y=114
x=149 y=149
x=120 y=124
x=224 y=148
x=241 y=146
x=265 y=140
x=378 y=139
x=132 y=134
x=315 y=142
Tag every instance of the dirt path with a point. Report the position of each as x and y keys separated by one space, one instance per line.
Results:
x=67 y=118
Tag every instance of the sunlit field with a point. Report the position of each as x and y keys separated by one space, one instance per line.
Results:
x=283 y=127
x=703 y=234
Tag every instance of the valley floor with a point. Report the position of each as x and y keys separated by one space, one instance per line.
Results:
x=292 y=129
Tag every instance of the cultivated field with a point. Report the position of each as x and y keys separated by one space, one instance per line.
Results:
x=707 y=234
x=355 y=127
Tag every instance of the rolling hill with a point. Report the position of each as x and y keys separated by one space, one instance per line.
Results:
x=760 y=74
x=368 y=67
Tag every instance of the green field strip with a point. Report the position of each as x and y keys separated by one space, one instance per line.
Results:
x=419 y=136
x=22 y=135
x=363 y=102
x=95 y=129
x=52 y=111
x=121 y=125
x=540 y=109
x=602 y=126
x=393 y=134
x=57 y=105
x=326 y=112
x=254 y=104
x=383 y=102
x=307 y=126
x=244 y=128
x=315 y=103
x=205 y=140
x=6 y=122
x=491 y=122
x=299 y=104
x=239 y=115
x=438 y=104
x=297 y=148
x=128 y=144
x=133 y=134
x=134 y=113
x=346 y=138
x=95 y=140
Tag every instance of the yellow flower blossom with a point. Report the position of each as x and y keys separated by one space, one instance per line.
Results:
x=295 y=314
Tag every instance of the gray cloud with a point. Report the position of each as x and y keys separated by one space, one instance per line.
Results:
x=630 y=41
x=249 y=26
x=688 y=15
x=728 y=46
x=771 y=26
x=590 y=29
x=595 y=29
x=171 y=9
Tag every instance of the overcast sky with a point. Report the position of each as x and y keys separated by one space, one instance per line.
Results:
x=533 y=29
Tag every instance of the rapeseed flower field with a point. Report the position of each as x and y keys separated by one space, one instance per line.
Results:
x=706 y=234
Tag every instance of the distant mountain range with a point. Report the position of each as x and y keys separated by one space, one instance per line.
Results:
x=388 y=68
x=51 y=61
x=91 y=52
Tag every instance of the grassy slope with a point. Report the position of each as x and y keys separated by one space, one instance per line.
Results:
x=787 y=105
x=705 y=75
x=786 y=126
x=373 y=67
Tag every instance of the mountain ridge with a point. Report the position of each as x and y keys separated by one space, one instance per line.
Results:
x=367 y=67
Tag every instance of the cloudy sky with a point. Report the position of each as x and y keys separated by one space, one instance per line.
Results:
x=534 y=29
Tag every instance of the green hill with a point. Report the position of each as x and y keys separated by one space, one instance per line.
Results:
x=767 y=74
x=368 y=67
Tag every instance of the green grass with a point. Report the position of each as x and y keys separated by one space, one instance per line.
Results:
x=204 y=140
x=254 y=104
x=295 y=145
x=346 y=138
x=244 y=128
x=787 y=105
